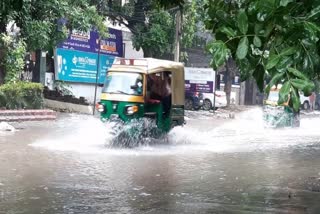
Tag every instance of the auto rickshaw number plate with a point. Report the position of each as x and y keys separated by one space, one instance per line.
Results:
x=114 y=116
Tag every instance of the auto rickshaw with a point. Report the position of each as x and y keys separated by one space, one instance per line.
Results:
x=139 y=89
x=277 y=115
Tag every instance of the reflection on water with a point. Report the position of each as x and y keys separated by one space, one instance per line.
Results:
x=67 y=167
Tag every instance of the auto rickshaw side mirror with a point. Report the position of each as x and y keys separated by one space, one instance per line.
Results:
x=137 y=88
x=134 y=87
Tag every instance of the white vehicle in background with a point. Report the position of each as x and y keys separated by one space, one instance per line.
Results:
x=305 y=102
x=220 y=100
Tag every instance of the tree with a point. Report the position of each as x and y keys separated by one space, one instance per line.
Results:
x=44 y=23
x=7 y=8
x=275 y=40
x=152 y=23
x=151 y=26
x=156 y=37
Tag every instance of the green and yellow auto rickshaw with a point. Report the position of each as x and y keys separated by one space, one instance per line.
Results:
x=279 y=115
x=137 y=90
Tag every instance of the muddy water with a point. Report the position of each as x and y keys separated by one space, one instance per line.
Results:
x=205 y=167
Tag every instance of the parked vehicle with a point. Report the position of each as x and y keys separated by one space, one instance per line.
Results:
x=219 y=101
x=305 y=102
x=193 y=100
x=279 y=115
x=317 y=103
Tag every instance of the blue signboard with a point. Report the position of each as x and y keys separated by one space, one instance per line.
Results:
x=79 y=66
x=89 y=42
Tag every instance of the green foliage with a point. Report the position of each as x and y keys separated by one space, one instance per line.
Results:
x=21 y=95
x=43 y=31
x=153 y=24
x=39 y=20
x=170 y=3
x=14 y=57
x=2 y=99
x=157 y=36
x=274 y=39
x=62 y=87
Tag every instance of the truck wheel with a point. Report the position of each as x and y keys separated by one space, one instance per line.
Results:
x=207 y=105
x=305 y=105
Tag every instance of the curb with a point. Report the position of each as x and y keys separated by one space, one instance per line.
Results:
x=27 y=115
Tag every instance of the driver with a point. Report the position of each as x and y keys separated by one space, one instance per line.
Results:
x=166 y=100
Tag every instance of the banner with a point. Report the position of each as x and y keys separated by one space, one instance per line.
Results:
x=76 y=58
x=195 y=86
x=79 y=66
x=89 y=42
x=199 y=80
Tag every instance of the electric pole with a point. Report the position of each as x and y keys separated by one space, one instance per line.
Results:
x=177 y=36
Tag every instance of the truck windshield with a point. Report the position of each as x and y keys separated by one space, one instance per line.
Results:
x=123 y=83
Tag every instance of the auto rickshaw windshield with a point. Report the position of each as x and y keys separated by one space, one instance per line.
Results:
x=124 y=83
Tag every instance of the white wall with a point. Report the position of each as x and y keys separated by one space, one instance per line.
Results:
x=85 y=90
x=130 y=52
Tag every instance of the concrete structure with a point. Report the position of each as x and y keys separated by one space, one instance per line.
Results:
x=27 y=115
x=235 y=89
x=68 y=107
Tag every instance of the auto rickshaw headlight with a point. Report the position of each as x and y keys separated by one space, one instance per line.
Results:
x=100 y=107
x=132 y=109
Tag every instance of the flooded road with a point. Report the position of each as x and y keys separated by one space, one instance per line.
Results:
x=208 y=166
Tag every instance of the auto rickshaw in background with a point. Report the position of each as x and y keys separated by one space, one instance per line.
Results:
x=277 y=115
x=141 y=92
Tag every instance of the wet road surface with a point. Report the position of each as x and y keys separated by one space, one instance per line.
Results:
x=237 y=167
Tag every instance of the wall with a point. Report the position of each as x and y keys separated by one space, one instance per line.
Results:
x=85 y=90
x=236 y=89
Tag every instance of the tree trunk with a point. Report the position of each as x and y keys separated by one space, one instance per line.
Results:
x=36 y=70
x=228 y=80
x=2 y=68
x=3 y=25
x=227 y=84
x=147 y=53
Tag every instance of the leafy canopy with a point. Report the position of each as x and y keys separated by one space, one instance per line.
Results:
x=274 y=40
x=44 y=23
x=152 y=23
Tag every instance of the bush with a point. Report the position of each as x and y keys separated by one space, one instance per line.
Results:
x=21 y=95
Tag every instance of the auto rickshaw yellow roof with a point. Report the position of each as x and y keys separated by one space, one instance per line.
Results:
x=146 y=65
x=151 y=66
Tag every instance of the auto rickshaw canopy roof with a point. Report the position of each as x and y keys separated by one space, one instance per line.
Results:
x=151 y=66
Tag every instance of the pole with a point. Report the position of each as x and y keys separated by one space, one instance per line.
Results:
x=177 y=36
x=214 y=91
x=97 y=76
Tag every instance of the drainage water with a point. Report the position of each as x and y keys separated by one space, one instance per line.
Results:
x=235 y=167
x=87 y=134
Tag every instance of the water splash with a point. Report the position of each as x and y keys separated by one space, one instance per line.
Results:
x=245 y=133
x=139 y=132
